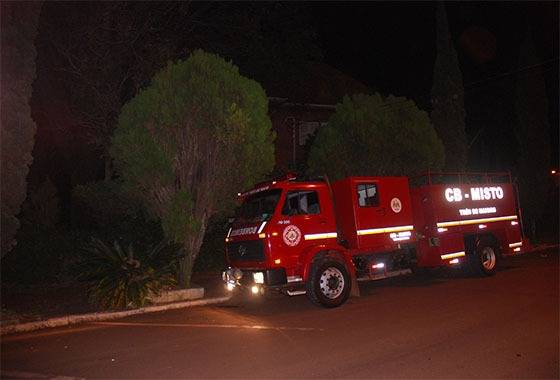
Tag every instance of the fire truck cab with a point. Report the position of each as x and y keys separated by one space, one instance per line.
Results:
x=314 y=238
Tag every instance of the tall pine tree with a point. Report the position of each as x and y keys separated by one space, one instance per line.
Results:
x=533 y=135
x=448 y=105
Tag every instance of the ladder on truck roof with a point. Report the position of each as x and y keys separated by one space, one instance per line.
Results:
x=440 y=178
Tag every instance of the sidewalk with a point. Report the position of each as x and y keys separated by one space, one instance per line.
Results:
x=33 y=309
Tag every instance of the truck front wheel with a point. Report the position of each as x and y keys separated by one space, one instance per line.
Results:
x=328 y=284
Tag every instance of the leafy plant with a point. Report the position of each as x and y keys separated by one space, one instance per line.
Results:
x=119 y=279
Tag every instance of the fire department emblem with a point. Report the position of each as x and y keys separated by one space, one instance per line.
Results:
x=291 y=235
x=396 y=205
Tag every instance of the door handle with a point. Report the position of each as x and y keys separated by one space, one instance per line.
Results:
x=381 y=210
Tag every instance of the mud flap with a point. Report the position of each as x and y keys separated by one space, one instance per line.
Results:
x=355 y=290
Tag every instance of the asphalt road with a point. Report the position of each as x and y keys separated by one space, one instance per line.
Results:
x=450 y=326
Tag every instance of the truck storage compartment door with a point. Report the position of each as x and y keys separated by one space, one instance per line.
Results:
x=383 y=212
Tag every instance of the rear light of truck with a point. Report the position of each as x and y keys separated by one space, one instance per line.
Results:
x=453 y=255
x=516 y=246
x=400 y=236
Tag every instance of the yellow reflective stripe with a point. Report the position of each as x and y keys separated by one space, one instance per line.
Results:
x=453 y=255
x=385 y=230
x=518 y=244
x=476 y=221
x=326 y=235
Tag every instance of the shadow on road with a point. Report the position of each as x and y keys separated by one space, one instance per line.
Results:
x=274 y=303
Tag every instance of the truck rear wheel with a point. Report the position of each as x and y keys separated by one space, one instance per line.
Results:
x=484 y=261
x=328 y=284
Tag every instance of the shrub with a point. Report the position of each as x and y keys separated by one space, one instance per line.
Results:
x=44 y=246
x=111 y=212
x=375 y=135
x=119 y=280
x=40 y=257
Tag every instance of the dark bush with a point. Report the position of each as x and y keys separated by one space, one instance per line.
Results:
x=44 y=247
x=112 y=213
x=40 y=256
x=212 y=251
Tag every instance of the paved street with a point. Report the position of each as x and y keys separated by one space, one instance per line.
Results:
x=445 y=327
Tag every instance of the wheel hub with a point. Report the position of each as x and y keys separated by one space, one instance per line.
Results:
x=488 y=257
x=331 y=282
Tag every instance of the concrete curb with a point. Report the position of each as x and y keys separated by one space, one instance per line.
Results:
x=543 y=247
x=15 y=375
x=94 y=317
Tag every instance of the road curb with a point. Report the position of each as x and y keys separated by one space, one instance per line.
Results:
x=101 y=316
x=543 y=247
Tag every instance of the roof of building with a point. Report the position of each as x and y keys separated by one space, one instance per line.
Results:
x=319 y=85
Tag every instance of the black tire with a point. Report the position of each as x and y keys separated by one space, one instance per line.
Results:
x=484 y=261
x=328 y=284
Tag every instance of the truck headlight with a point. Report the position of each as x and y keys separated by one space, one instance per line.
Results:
x=258 y=277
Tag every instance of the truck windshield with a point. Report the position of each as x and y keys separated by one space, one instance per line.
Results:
x=259 y=207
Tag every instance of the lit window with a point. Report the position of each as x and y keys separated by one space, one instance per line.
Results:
x=301 y=203
x=367 y=195
x=307 y=129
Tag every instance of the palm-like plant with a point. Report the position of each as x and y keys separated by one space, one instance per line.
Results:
x=118 y=279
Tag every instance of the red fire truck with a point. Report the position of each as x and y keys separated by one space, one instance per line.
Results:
x=311 y=237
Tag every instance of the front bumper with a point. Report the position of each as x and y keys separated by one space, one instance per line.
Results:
x=248 y=278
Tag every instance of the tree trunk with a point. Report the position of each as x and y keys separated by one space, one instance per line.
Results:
x=191 y=248
x=185 y=270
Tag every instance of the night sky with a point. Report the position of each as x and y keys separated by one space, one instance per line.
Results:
x=391 y=48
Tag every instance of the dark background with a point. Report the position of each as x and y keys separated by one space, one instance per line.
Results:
x=391 y=47
x=388 y=46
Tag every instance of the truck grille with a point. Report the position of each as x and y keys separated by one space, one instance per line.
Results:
x=248 y=250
